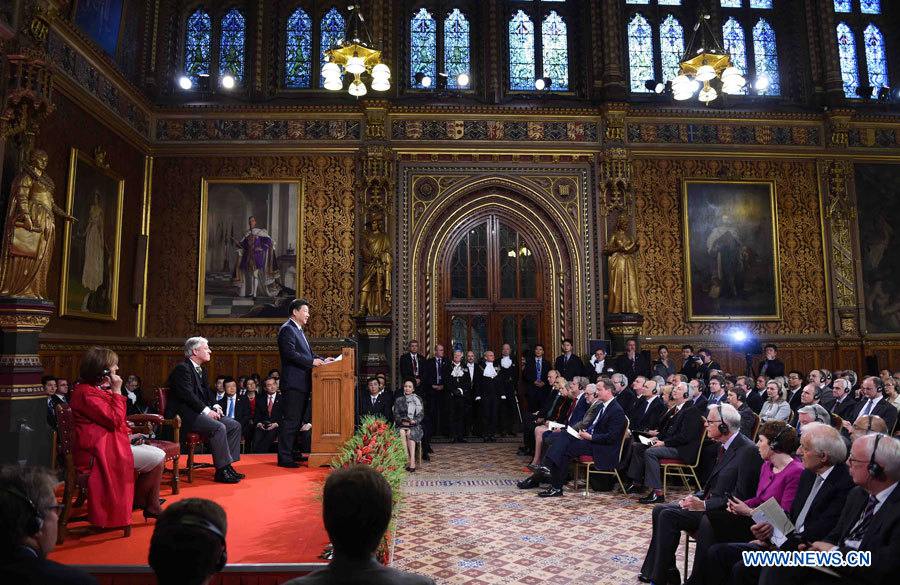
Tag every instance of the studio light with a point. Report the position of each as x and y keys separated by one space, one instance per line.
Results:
x=185 y=83
x=542 y=83
x=462 y=80
x=739 y=336
x=423 y=79
x=228 y=81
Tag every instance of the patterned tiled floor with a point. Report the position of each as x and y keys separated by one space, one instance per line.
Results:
x=464 y=522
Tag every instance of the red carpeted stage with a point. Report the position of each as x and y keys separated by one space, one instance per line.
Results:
x=275 y=529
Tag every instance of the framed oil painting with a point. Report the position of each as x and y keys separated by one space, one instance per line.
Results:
x=731 y=250
x=878 y=212
x=92 y=244
x=251 y=257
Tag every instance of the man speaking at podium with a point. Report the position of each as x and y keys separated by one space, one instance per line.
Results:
x=297 y=362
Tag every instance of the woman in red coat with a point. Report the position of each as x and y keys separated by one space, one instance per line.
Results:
x=103 y=445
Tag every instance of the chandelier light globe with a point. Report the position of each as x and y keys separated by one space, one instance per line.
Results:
x=380 y=84
x=705 y=73
x=333 y=83
x=682 y=95
x=357 y=88
x=381 y=70
x=331 y=69
x=462 y=80
x=707 y=94
x=680 y=81
x=355 y=65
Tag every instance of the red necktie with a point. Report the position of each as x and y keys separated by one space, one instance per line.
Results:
x=270 y=405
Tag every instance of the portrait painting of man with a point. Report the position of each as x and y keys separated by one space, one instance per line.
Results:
x=250 y=264
x=879 y=209
x=731 y=243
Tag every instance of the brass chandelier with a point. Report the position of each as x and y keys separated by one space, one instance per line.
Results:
x=355 y=57
x=705 y=66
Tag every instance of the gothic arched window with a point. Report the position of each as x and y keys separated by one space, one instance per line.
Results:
x=655 y=43
x=197 y=45
x=456 y=47
x=765 y=53
x=231 y=45
x=862 y=53
x=640 y=51
x=538 y=37
x=298 y=50
x=332 y=29
x=422 y=46
x=521 y=52
x=733 y=38
x=439 y=46
x=749 y=36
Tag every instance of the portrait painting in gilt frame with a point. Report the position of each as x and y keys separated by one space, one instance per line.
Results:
x=731 y=250
x=91 y=244
x=251 y=252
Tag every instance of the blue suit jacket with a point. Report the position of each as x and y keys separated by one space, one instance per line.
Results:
x=296 y=358
x=606 y=438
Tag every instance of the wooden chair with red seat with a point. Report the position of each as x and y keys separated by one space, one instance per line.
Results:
x=75 y=484
x=172 y=448
x=683 y=469
x=191 y=440
x=586 y=462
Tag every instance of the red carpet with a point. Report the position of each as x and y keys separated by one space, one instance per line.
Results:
x=274 y=517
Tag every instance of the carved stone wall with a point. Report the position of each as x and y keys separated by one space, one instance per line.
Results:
x=328 y=247
x=658 y=192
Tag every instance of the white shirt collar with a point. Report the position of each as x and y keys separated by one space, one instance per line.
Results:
x=652 y=398
x=884 y=494
x=825 y=473
x=874 y=400
x=727 y=443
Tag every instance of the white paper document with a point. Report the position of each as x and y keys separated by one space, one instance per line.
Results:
x=645 y=440
x=553 y=425
x=572 y=432
x=338 y=358
x=771 y=513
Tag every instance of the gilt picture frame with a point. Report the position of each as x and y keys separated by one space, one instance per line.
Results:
x=249 y=270
x=92 y=245
x=731 y=259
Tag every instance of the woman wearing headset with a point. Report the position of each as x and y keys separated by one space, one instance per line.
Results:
x=103 y=446
x=776 y=407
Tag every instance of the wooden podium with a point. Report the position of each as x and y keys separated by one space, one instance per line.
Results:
x=333 y=407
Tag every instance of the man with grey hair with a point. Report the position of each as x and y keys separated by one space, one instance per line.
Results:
x=821 y=495
x=870 y=520
x=809 y=414
x=844 y=404
x=626 y=394
x=188 y=388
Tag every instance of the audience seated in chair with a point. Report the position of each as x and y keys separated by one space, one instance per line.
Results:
x=237 y=407
x=377 y=402
x=356 y=509
x=737 y=398
x=188 y=543
x=269 y=416
x=408 y=415
x=572 y=396
x=29 y=517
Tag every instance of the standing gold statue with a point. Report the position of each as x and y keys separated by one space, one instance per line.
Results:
x=623 y=276
x=375 y=287
x=28 y=236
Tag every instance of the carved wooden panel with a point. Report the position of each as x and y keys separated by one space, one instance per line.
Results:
x=328 y=262
x=658 y=191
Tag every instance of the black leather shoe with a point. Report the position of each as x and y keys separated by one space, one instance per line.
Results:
x=236 y=472
x=289 y=464
x=532 y=466
x=652 y=498
x=551 y=493
x=222 y=476
x=542 y=470
x=528 y=483
x=633 y=489
x=643 y=579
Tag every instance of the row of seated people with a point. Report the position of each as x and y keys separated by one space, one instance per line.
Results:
x=792 y=464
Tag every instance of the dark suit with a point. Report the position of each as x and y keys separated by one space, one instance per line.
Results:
x=23 y=566
x=52 y=402
x=882 y=408
x=737 y=473
x=569 y=368
x=844 y=408
x=487 y=395
x=241 y=410
x=187 y=399
x=383 y=406
x=748 y=421
x=681 y=439
x=344 y=571
x=296 y=383
x=771 y=368
x=690 y=367
x=409 y=369
x=644 y=418
x=458 y=390
x=606 y=439
x=606 y=369
x=639 y=366
x=821 y=518
x=794 y=401
x=536 y=395
x=627 y=398
x=508 y=408
x=704 y=369
x=263 y=438
x=434 y=399
x=756 y=399
x=700 y=403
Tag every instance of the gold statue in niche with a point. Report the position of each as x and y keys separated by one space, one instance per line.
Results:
x=375 y=286
x=29 y=231
x=623 y=276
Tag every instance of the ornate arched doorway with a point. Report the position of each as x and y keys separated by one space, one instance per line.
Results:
x=492 y=291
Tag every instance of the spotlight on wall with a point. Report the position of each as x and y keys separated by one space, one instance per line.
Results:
x=228 y=81
x=185 y=83
x=542 y=83
x=423 y=79
x=462 y=80
x=762 y=82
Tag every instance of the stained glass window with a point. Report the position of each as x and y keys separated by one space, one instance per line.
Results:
x=555 y=51
x=640 y=52
x=198 y=33
x=332 y=30
x=670 y=2
x=671 y=41
x=298 y=50
x=876 y=62
x=870 y=6
x=760 y=3
x=521 y=52
x=733 y=35
x=766 y=56
x=842 y=6
x=847 y=57
x=456 y=46
x=422 y=45
x=731 y=3
x=231 y=52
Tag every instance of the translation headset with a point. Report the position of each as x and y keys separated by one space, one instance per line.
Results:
x=35 y=520
x=723 y=428
x=875 y=470
x=775 y=443
x=817 y=394
x=205 y=525
x=879 y=384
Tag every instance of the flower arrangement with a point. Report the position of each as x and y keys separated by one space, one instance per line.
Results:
x=377 y=444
